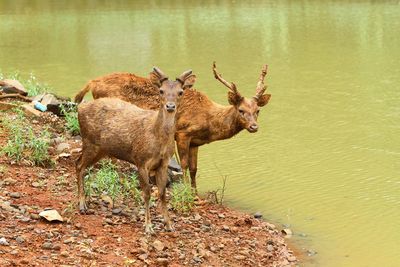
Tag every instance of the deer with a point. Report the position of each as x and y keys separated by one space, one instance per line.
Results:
x=199 y=120
x=115 y=128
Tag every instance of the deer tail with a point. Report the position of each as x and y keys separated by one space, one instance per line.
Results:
x=82 y=93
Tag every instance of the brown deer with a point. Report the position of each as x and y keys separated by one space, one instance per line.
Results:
x=199 y=120
x=115 y=128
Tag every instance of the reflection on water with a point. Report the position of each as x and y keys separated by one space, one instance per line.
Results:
x=326 y=159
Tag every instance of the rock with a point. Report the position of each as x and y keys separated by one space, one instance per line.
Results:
x=109 y=221
x=20 y=239
x=287 y=232
x=35 y=216
x=239 y=257
x=69 y=240
x=270 y=248
x=14 y=252
x=9 y=181
x=221 y=216
x=15 y=195
x=270 y=226
x=64 y=253
x=47 y=245
x=24 y=261
x=258 y=215
x=39 y=97
x=197 y=217
x=51 y=215
x=158 y=245
x=197 y=259
x=57 y=247
x=7 y=106
x=162 y=261
x=143 y=257
x=116 y=211
x=62 y=147
x=107 y=200
x=49 y=99
x=30 y=111
x=13 y=87
x=56 y=141
x=291 y=258
x=78 y=225
x=225 y=228
x=4 y=242
x=35 y=184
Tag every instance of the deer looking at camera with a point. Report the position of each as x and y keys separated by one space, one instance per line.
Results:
x=199 y=120
x=115 y=128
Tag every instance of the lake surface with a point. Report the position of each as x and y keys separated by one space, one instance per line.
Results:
x=326 y=160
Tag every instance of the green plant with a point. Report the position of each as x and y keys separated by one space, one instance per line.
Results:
x=130 y=187
x=71 y=119
x=182 y=197
x=32 y=86
x=38 y=147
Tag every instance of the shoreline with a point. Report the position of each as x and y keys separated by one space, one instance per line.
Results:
x=210 y=234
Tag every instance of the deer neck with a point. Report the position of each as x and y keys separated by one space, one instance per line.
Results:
x=226 y=123
x=164 y=125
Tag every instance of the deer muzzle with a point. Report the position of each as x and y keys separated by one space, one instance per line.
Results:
x=170 y=106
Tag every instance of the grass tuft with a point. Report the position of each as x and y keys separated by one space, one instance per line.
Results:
x=71 y=119
x=182 y=197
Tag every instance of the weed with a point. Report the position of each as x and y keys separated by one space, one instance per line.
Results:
x=32 y=86
x=71 y=119
x=108 y=181
x=182 y=197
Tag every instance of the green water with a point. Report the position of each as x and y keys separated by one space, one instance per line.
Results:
x=327 y=157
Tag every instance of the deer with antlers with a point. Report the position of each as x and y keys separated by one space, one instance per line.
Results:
x=199 y=120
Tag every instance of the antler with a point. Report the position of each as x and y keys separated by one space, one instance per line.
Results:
x=161 y=76
x=184 y=76
x=260 y=85
x=218 y=76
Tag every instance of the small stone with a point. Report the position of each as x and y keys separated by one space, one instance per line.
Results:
x=78 y=226
x=162 y=261
x=24 y=261
x=62 y=147
x=143 y=257
x=116 y=211
x=225 y=228
x=20 y=239
x=4 y=242
x=47 y=245
x=15 y=194
x=9 y=181
x=35 y=216
x=51 y=215
x=291 y=258
x=69 y=240
x=14 y=252
x=287 y=232
x=311 y=252
x=221 y=216
x=158 y=245
x=258 y=215
x=64 y=253
x=35 y=184
x=270 y=248
x=57 y=247
x=197 y=217
x=213 y=249
x=239 y=257
x=197 y=259
x=109 y=221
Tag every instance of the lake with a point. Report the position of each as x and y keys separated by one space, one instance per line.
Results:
x=326 y=160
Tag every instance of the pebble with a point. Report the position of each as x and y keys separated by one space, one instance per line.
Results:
x=78 y=225
x=10 y=181
x=20 y=239
x=4 y=242
x=239 y=257
x=311 y=252
x=143 y=257
x=14 y=252
x=258 y=215
x=15 y=194
x=225 y=228
x=162 y=261
x=35 y=184
x=158 y=245
x=64 y=253
x=109 y=221
x=287 y=232
x=57 y=247
x=221 y=216
x=47 y=245
x=116 y=211
x=270 y=248
x=291 y=258
x=197 y=259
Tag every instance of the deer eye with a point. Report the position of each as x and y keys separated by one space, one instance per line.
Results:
x=180 y=93
x=161 y=91
x=241 y=111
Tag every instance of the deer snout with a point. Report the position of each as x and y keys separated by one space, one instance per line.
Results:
x=170 y=107
x=253 y=128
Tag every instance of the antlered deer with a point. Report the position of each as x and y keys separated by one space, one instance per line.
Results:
x=199 y=120
x=115 y=128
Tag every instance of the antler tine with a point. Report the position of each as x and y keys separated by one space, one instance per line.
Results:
x=184 y=76
x=218 y=76
x=160 y=74
x=260 y=89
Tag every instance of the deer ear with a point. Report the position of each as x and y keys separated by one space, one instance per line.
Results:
x=189 y=82
x=234 y=98
x=263 y=100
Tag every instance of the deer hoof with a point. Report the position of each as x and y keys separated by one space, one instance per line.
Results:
x=83 y=208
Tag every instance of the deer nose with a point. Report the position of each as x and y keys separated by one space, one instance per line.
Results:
x=170 y=106
x=254 y=128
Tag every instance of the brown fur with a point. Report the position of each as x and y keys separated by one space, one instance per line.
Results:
x=199 y=119
x=115 y=128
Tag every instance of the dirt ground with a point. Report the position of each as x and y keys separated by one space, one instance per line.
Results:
x=211 y=235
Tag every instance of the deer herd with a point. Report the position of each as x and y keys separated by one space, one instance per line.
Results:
x=138 y=120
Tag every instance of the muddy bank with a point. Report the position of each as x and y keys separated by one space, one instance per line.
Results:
x=210 y=235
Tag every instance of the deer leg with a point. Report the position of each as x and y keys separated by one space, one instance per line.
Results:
x=193 y=166
x=162 y=179
x=182 y=144
x=90 y=155
x=146 y=189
